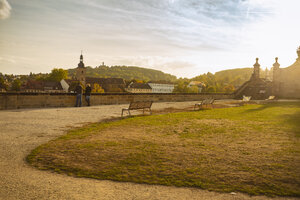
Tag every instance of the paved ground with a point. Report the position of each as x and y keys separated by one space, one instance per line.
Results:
x=23 y=130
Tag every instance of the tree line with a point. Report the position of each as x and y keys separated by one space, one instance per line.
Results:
x=222 y=81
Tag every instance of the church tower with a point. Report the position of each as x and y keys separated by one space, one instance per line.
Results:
x=81 y=71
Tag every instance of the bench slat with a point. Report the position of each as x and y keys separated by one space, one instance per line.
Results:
x=209 y=101
x=137 y=105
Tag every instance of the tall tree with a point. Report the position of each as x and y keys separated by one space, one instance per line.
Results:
x=57 y=74
x=2 y=83
x=16 y=85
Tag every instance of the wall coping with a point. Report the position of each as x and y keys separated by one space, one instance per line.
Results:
x=105 y=94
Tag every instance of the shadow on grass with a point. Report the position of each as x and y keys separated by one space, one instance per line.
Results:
x=273 y=104
x=294 y=122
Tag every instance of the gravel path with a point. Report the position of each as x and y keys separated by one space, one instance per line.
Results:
x=23 y=130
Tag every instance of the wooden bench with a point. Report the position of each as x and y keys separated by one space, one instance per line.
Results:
x=246 y=99
x=204 y=102
x=271 y=98
x=138 y=105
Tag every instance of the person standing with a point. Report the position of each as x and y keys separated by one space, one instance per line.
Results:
x=88 y=91
x=78 y=91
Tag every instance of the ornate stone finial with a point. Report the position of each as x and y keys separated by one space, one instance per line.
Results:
x=256 y=70
x=276 y=64
x=256 y=64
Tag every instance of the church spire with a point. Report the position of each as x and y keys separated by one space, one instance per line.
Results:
x=81 y=57
x=81 y=64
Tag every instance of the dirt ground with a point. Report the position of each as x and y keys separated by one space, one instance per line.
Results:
x=23 y=130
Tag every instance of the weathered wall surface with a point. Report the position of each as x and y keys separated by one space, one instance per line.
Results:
x=35 y=100
x=288 y=81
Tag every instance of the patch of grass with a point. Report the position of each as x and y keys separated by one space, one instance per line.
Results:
x=253 y=149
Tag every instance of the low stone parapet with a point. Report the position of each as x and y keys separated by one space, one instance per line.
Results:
x=45 y=100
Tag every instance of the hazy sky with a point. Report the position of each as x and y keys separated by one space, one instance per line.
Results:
x=181 y=37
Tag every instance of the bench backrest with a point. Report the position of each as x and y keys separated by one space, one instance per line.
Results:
x=271 y=98
x=140 y=104
x=246 y=98
x=208 y=101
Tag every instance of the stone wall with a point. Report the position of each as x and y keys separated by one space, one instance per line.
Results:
x=44 y=100
x=287 y=82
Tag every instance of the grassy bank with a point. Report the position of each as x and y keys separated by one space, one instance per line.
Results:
x=253 y=149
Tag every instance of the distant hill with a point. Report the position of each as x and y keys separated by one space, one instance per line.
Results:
x=127 y=73
x=225 y=80
x=234 y=77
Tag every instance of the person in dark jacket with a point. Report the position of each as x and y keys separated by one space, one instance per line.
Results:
x=78 y=91
x=88 y=91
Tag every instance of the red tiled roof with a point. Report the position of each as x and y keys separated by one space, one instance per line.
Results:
x=139 y=86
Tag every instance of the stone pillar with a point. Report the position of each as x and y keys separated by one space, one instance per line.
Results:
x=276 y=78
x=256 y=70
x=298 y=52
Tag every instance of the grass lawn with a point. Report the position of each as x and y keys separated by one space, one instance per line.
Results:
x=253 y=149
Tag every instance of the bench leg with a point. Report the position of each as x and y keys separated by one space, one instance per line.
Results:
x=197 y=105
x=124 y=110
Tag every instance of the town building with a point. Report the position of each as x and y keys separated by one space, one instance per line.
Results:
x=42 y=86
x=109 y=85
x=139 y=88
x=197 y=84
x=161 y=87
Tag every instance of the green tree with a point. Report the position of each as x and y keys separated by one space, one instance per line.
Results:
x=57 y=75
x=2 y=83
x=229 y=88
x=16 y=85
x=210 y=89
x=193 y=89
x=181 y=86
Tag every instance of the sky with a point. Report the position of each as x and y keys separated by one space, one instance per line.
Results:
x=184 y=38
